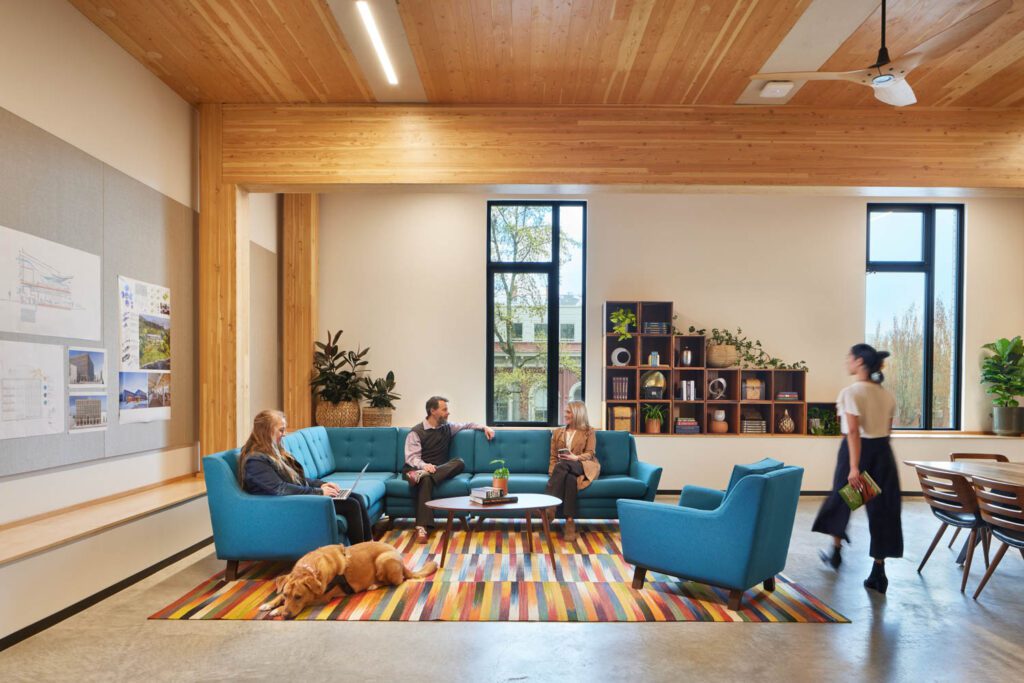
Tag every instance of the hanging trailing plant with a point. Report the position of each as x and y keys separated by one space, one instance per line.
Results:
x=751 y=352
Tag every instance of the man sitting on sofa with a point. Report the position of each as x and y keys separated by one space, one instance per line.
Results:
x=426 y=458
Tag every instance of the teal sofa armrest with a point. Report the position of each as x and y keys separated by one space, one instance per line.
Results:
x=647 y=473
x=700 y=498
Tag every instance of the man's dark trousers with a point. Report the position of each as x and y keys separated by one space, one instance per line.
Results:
x=424 y=491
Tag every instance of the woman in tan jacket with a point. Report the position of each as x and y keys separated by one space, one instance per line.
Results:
x=573 y=464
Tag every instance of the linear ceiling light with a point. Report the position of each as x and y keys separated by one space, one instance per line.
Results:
x=378 y=42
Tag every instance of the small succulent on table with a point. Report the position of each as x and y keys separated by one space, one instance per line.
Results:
x=500 y=476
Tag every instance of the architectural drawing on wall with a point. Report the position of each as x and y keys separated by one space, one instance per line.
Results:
x=87 y=412
x=144 y=388
x=47 y=288
x=31 y=389
x=87 y=369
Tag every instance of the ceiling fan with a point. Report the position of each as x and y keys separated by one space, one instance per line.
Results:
x=888 y=77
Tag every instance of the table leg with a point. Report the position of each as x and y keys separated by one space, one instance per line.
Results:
x=547 y=534
x=529 y=532
x=447 y=537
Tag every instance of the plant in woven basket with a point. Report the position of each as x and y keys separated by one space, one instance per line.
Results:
x=749 y=353
x=337 y=380
x=381 y=396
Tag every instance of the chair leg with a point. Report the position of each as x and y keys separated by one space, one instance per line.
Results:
x=992 y=568
x=986 y=536
x=231 y=572
x=956 y=532
x=639 y=574
x=972 y=541
x=935 y=542
x=735 y=596
x=769 y=584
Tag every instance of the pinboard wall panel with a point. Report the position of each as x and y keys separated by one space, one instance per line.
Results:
x=54 y=191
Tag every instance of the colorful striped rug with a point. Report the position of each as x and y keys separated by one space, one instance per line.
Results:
x=491 y=575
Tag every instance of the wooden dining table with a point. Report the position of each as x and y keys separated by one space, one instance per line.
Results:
x=1006 y=472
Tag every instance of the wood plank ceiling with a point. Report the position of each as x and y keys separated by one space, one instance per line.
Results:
x=527 y=52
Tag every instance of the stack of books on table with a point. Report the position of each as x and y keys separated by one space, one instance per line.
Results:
x=787 y=396
x=687 y=425
x=488 y=495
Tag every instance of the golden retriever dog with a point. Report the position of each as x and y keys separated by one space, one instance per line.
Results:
x=333 y=570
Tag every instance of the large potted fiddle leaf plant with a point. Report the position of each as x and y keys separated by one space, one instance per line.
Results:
x=1003 y=373
x=337 y=384
x=380 y=394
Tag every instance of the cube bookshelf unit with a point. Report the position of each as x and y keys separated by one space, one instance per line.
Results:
x=758 y=396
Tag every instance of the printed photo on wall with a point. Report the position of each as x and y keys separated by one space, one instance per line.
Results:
x=87 y=369
x=87 y=412
x=144 y=390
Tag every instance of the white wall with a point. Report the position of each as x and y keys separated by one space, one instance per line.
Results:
x=403 y=271
x=264 y=305
x=62 y=73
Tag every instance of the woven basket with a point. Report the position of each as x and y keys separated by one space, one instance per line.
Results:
x=722 y=356
x=343 y=414
x=377 y=417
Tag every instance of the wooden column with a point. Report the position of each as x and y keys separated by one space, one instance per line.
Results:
x=301 y=218
x=223 y=296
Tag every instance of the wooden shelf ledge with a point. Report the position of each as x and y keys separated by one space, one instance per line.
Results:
x=38 y=534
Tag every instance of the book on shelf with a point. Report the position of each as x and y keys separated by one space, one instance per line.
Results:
x=687 y=390
x=656 y=328
x=493 y=501
x=620 y=388
x=486 y=492
x=787 y=396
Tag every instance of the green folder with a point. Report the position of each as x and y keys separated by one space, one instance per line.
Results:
x=853 y=497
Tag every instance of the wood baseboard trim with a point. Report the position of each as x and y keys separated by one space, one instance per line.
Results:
x=85 y=603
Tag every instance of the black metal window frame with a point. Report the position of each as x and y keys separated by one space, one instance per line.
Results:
x=551 y=269
x=927 y=266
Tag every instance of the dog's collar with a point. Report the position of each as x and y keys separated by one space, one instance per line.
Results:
x=341 y=582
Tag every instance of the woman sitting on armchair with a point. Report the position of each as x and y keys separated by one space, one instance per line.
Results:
x=573 y=464
x=266 y=468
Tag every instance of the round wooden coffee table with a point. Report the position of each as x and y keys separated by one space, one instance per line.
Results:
x=528 y=503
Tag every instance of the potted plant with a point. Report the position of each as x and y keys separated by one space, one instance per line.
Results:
x=337 y=384
x=654 y=415
x=727 y=349
x=822 y=421
x=381 y=396
x=1003 y=372
x=622 y=319
x=500 y=476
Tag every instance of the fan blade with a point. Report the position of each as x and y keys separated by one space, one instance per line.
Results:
x=855 y=76
x=953 y=37
x=898 y=93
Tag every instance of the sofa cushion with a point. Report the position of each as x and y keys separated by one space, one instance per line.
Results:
x=517 y=482
x=354 y=447
x=614 y=486
x=319 y=450
x=524 y=451
x=614 y=451
x=763 y=466
x=296 y=444
x=372 y=490
x=449 y=488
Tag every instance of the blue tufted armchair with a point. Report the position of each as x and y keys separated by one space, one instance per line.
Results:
x=733 y=539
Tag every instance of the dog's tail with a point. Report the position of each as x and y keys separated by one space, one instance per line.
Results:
x=426 y=570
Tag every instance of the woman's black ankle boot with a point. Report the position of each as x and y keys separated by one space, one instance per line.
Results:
x=877 y=580
x=833 y=559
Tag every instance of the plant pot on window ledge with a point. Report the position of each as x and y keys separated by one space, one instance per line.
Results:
x=1005 y=421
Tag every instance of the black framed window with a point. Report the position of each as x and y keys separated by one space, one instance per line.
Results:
x=536 y=265
x=913 y=308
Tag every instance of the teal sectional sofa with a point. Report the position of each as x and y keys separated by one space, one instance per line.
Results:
x=250 y=527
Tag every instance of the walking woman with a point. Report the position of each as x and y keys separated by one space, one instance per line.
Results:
x=573 y=464
x=866 y=412
x=266 y=468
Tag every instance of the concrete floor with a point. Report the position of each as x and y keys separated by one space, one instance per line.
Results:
x=922 y=630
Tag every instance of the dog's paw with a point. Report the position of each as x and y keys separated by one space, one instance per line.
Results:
x=266 y=606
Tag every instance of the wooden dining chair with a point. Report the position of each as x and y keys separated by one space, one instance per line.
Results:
x=1002 y=507
x=952 y=500
x=994 y=457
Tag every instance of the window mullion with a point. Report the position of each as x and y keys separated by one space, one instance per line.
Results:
x=929 y=316
x=554 y=332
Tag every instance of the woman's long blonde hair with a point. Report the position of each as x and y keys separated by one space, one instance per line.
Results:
x=261 y=441
x=579 y=420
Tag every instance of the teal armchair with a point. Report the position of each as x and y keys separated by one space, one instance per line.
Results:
x=733 y=540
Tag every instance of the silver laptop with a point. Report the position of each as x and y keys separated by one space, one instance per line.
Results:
x=345 y=492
